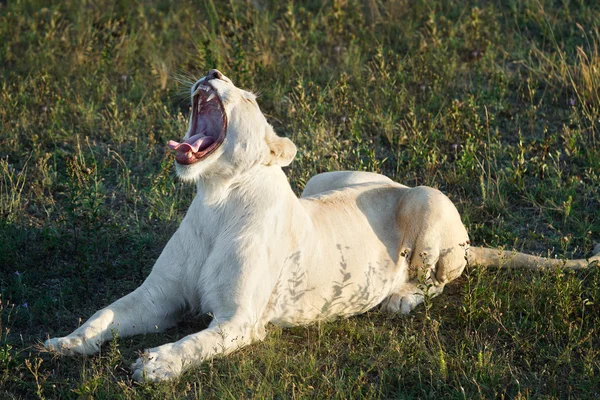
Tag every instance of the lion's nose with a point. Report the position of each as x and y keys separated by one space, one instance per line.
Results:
x=214 y=74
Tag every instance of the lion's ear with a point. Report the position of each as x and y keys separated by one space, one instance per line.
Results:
x=282 y=150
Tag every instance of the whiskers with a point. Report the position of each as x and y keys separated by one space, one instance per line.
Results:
x=185 y=80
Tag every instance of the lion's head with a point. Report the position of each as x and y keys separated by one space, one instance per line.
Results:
x=227 y=133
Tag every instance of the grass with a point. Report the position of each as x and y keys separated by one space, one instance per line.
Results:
x=495 y=103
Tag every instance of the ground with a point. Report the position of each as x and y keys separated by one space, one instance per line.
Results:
x=494 y=103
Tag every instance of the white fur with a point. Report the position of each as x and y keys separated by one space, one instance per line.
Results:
x=251 y=253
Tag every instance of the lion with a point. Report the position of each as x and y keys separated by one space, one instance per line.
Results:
x=250 y=252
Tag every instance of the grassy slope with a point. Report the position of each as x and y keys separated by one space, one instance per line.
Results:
x=495 y=103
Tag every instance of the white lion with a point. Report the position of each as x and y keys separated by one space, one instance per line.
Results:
x=251 y=253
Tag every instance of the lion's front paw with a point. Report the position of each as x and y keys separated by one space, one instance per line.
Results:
x=158 y=364
x=72 y=344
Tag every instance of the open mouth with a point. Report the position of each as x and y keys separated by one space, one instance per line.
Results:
x=209 y=125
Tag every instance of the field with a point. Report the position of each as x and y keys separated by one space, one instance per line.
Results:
x=496 y=103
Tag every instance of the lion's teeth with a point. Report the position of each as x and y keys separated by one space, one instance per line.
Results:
x=212 y=96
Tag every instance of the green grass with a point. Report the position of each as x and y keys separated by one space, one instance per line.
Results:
x=495 y=103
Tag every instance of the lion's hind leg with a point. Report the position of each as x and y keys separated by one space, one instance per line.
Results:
x=427 y=272
x=432 y=248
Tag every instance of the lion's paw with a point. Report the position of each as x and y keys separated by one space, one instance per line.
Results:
x=403 y=303
x=410 y=302
x=158 y=364
x=71 y=345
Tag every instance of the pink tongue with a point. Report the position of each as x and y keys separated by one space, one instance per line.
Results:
x=192 y=144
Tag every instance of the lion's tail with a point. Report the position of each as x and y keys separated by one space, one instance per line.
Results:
x=511 y=259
